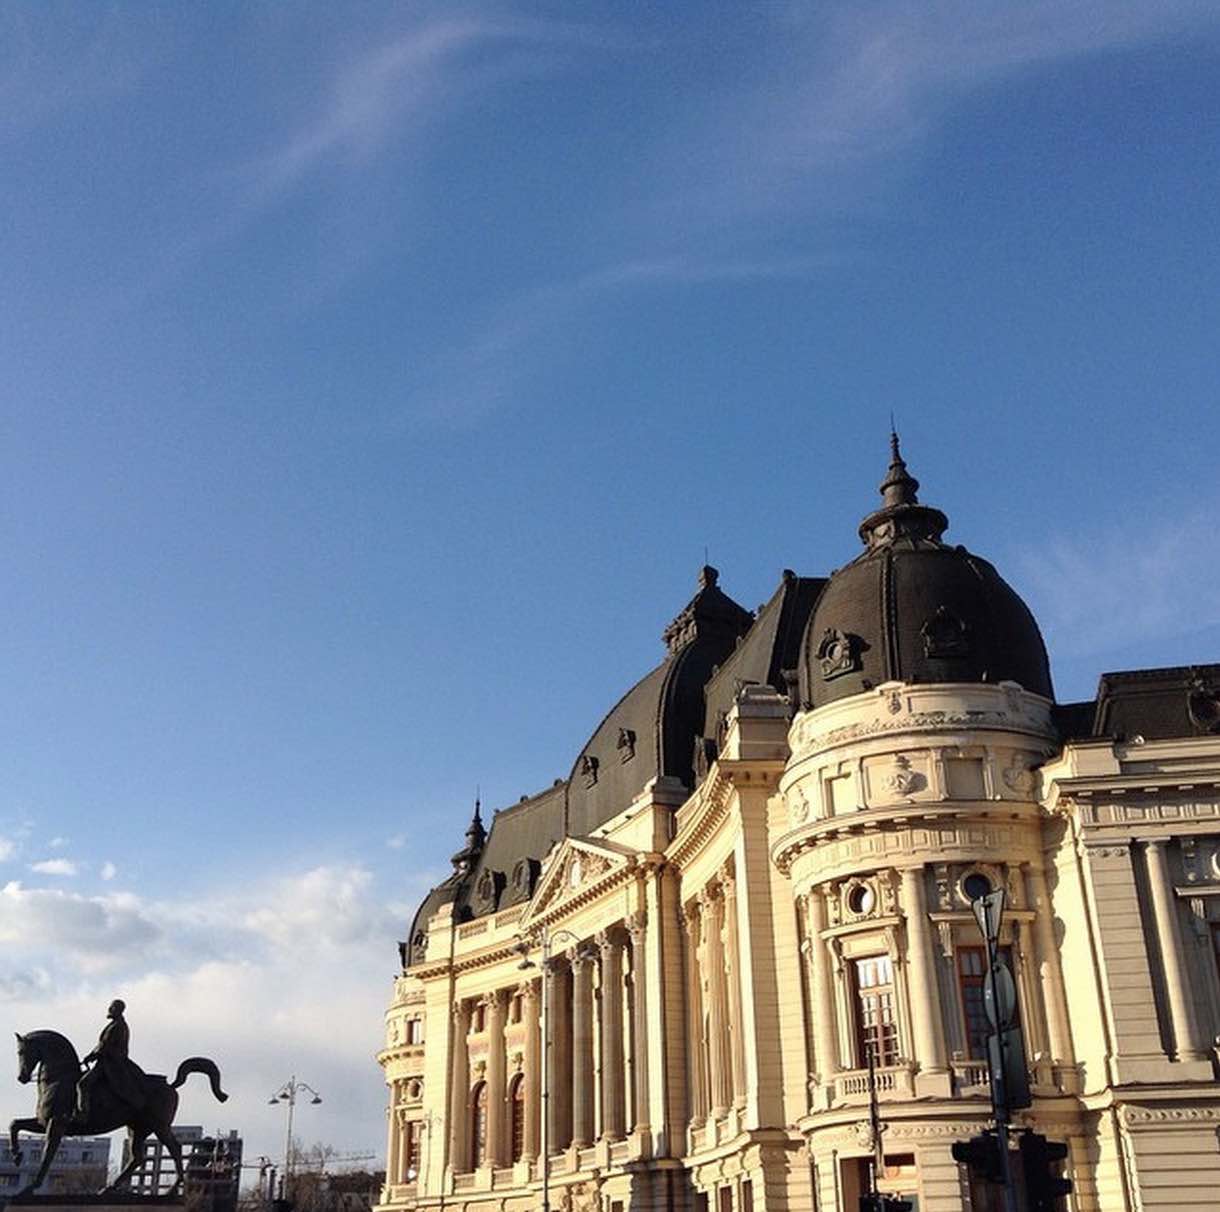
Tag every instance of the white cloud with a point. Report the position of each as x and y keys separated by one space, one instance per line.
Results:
x=397 y=842
x=61 y=867
x=109 y=870
x=7 y=849
x=57 y=843
x=1157 y=578
x=287 y=975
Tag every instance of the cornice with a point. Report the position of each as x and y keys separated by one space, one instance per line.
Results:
x=709 y=806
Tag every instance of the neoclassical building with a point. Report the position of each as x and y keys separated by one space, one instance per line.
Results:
x=752 y=879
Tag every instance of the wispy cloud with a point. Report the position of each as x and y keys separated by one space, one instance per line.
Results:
x=57 y=843
x=397 y=842
x=58 y=866
x=851 y=88
x=7 y=849
x=1114 y=588
x=109 y=870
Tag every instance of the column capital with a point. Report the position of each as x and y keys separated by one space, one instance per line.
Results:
x=607 y=940
x=581 y=956
x=528 y=991
x=637 y=925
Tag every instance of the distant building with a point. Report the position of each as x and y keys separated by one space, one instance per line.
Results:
x=212 y=1164
x=81 y=1164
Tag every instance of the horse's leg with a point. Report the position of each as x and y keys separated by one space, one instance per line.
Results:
x=136 y=1138
x=21 y=1125
x=165 y=1134
x=55 y=1133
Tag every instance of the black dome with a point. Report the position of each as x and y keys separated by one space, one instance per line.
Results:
x=914 y=609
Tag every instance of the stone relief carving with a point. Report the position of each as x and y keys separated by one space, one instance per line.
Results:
x=798 y=809
x=588 y=769
x=1018 y=775
x=1203 y=704
x=839 y=653
x=900 y=779
x=945 y=635
x=626 y=744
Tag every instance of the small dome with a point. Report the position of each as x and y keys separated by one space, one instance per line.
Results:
x=914 y=609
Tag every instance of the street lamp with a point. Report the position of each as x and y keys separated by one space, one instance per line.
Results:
x=546 y=942
x=287 y=1093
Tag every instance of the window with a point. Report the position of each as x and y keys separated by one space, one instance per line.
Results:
x=747 y=1195
x=876 y=1022
x=724 y=1199
x=514 y=1009
x=478 y=1018
x=516 y=1117
x=478 y=1125
x=971 y=970
x=415 y=1031
x=413 y=1150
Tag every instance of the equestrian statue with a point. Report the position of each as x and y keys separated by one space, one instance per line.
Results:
x=114 y=1093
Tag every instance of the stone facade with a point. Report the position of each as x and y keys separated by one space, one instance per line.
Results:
x=721 y=953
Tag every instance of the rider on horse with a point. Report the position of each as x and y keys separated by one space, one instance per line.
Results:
x=122 y=1075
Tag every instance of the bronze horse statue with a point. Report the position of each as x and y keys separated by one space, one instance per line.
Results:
x=59 y=1070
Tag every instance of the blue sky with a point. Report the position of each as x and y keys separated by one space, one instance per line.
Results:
x=375 y=376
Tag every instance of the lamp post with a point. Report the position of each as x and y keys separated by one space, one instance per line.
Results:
x=546 y=943
x=287 y=1093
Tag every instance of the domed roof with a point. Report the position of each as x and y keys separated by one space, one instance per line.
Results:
x=914 y=609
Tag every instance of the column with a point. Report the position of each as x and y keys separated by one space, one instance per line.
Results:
x=736 y=1016
x=1177 y=988
x=613 y=1109
x=822 y=993
x=394 y=1146
x=636 y=928
x=1049 y=977
x=928 y=1028
x=494 y=1010
x=712 y=908
x=582 y=1047
x=459 y=1088
x=696 y=1060
x=533 y=1073
x=557 y=1012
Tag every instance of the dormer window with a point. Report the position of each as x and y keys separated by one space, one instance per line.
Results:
x=626 y=744
x=588 y=769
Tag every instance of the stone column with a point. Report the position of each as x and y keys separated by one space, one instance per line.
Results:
x=393 y=1159
x=822 y=993
x=1177 y=986
x=582 y=1047
x=533 y=1070
x=459 y=1093
x=494 y=1010
x=637 y=929
x=557 y=1014
x=712 y=909
x=1050 y=980
x=732 y=973
x=696 y=1059
x=613 y=1107
x=928 y=1027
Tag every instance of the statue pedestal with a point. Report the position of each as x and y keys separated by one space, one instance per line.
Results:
x=109 y=1201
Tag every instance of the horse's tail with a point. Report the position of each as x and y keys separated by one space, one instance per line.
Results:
x=201 y=1064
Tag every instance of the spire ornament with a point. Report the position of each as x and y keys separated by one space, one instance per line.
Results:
x=901 y=516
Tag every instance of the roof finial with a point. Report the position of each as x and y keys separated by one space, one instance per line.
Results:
x=899 y=486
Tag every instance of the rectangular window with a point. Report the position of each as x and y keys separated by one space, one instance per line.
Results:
x=411 y=1161
x=415 y=1031
x=724 y=1199
x=876 y=1019
x=747 y=1195
x=971 y=971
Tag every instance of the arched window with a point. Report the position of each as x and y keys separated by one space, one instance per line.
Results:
x=516 y=1116
x=478 y=1125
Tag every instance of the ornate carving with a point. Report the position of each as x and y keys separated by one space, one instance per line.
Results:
x=1203 y=704
x=839 y=653
x=626 y=744
x=487 y=890
x=525 y=875
x=588 y=769
x=1018 y=775
x=900 y=779
x=798 y=808
x=893 y=702
x=945 y=635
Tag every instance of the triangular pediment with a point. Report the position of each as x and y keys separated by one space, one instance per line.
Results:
x=576 y=867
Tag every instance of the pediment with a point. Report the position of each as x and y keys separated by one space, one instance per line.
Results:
x=574 y=868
